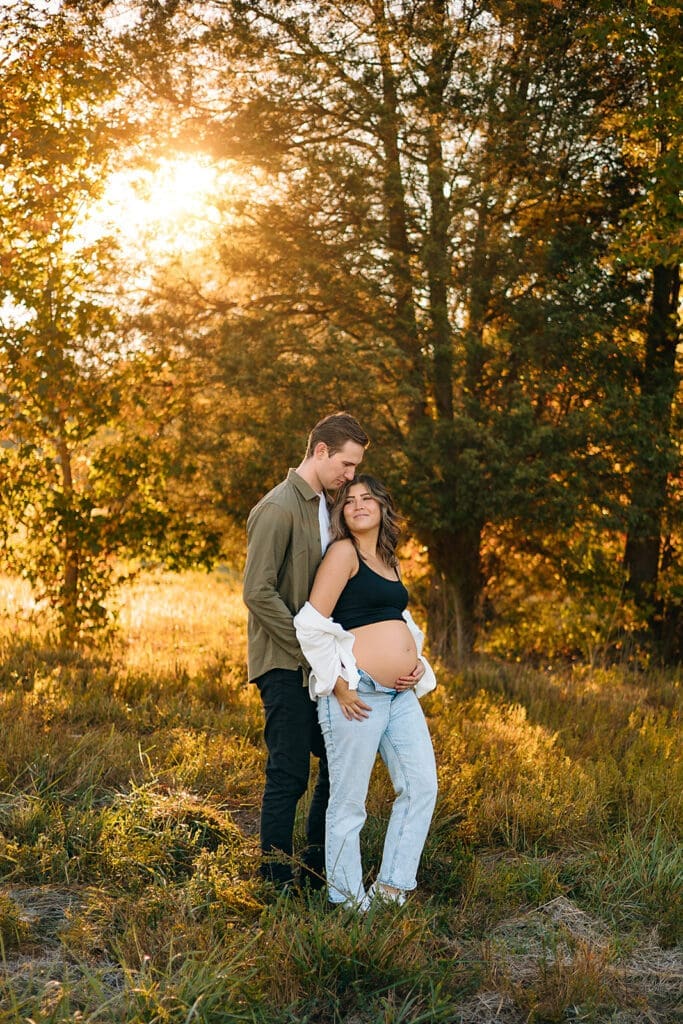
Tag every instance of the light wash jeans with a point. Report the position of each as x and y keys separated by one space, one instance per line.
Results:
x=395 y=727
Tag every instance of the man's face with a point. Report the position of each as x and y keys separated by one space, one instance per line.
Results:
x=334 y=470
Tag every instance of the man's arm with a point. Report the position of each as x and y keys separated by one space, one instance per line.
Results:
x=268 y=538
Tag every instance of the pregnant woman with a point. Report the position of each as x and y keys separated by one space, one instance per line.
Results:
x=367 y=674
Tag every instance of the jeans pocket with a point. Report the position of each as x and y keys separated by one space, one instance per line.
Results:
x=324 y=722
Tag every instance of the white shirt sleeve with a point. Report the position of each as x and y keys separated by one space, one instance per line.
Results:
x=328 y=649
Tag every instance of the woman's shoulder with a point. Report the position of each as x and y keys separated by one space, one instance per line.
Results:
x=342 y=550
x=342 y=555
x=337 y=567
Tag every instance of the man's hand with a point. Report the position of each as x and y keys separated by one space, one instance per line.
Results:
x=411 y=681
x=353 y=708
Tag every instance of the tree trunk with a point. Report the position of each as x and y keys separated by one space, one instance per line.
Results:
x=68 y=606
x=653 y=458
x=455 y=594
x=437 y=255
x=407 y=331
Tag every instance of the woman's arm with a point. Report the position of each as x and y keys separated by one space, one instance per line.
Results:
x=336 y=569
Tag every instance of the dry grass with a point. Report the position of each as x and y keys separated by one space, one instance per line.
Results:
x=130 y=782
x=183 y=622
x=558 y=956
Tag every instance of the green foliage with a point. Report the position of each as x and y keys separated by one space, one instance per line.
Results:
x=452 y=222
x=84 y=464
x=437 y=251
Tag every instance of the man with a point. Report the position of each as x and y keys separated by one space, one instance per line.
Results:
x=287 y=533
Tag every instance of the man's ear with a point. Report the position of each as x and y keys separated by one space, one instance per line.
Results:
x=321 y=451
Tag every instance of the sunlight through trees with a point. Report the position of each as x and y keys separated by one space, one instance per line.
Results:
x=460 y=221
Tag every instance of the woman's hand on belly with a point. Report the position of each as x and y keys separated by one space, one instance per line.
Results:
x=409 y=682
x=353 y=708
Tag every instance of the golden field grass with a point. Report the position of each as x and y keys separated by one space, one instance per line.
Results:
x=130 y=780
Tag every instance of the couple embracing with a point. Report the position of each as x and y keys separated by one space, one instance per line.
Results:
x=338 y=663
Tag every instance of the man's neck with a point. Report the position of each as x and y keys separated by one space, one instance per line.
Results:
x=306 y=471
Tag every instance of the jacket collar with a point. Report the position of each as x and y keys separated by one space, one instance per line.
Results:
x=304 y=489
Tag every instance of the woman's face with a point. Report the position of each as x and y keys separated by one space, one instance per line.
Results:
x=362 y=511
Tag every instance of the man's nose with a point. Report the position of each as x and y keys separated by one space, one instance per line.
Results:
x=349 y=473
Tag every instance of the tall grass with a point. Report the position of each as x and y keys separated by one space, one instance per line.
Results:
x=130 y=783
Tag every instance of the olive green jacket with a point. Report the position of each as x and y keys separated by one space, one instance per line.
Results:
x=283 y=553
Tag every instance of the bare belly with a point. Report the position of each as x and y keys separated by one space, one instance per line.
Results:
x=386 y=650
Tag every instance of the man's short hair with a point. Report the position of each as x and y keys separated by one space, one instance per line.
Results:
x=335 y=430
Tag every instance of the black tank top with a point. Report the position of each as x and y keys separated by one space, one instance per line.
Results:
x=369 y=597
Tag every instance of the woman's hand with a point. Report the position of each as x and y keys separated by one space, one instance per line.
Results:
x=411 y=681
x=353 y=708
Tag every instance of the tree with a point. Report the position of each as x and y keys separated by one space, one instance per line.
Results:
x=435 y=240
x=648 y=128
x=85 y=408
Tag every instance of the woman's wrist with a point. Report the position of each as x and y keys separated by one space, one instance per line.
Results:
x=341 y=687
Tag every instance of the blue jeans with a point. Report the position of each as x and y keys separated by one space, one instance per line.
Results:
x=395 y=727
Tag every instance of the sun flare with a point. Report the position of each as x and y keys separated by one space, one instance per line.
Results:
x=177 y=204
x=172 y=206
x=171 y=202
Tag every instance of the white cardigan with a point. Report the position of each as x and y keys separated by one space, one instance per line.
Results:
x=328 y=649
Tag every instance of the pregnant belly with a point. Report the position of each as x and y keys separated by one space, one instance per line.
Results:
x=386 y=650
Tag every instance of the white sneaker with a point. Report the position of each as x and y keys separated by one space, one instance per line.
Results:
x=360 y=906
x=382 y=895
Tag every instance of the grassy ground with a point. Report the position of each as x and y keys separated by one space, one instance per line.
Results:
x=550 y=887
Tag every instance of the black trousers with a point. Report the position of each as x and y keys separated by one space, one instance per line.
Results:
x=292 y=734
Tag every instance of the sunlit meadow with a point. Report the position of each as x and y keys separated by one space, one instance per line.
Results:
x=130 y=780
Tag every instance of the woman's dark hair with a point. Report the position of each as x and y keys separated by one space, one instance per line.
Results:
x=390 y=522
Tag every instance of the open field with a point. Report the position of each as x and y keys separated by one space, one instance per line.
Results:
x=550 y=888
